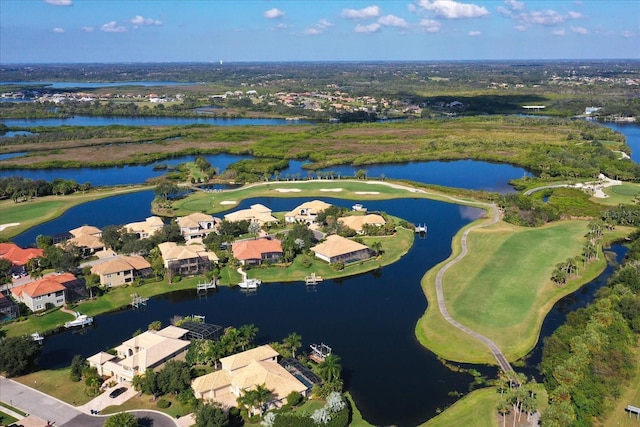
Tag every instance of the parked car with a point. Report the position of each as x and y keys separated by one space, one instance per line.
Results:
x=16 y=275
x=117 y=392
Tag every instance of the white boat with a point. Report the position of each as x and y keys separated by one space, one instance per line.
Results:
x=80 y=320
x=37 y=337
x=359 y=207
x=250 y=284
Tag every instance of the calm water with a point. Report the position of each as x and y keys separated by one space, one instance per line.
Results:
x=148 y=121
x=369 y=320
x=469 y=174
x=632 y=132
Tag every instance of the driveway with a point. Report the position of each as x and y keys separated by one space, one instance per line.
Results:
x=61 y=414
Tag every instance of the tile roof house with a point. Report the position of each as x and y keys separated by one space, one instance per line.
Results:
x=306 y=212
x=244 y=371
x=149 y=350
x=48 y=290
x=122 y=270
x=87 y=238
x=256 y=251
x=147 y=228
x=339 y=249
x=197 y=225
x=186 y=260
x=18 y=256
x=256 y=213
x=357 y=222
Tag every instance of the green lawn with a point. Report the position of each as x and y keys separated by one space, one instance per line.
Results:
x=146 y=402
x=502 y=288
x=57 y=384
x=619 y=194
x=479 y=409
x=349 y=189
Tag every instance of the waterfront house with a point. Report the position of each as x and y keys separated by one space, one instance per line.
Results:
x=245 y=371
x=147 y=228
x=306 y=212
x=87 y=238
x=253 y=252
x=19 y=257
x=149 y=350
x=122 y=270
x=197 y=225
x=50 y=289
x=186 y=260
x=257 y=213
x=358 y=222
x=339 y=249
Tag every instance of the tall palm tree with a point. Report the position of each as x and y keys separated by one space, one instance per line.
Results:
x=293 y=342
x=331 y=368
x=503 y=409
x=246 y=335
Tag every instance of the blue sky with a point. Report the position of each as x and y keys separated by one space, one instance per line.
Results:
x=37 y=31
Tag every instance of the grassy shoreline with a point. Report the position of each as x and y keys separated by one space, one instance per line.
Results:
x=42 y=209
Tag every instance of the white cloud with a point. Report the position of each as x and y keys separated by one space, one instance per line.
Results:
x=86 y=29
x=58 y=30
x=281 y=26
x=59 y=2
x=558 y=33
x=546 y=17
x=318 y=28
x=366 y=13
x=430 y=25
x=113 y=27
x=451 y=9
x=579 y=30
x=273 y=13
x=628 y=33
x=474 y=33
x=574 y=15
x=371 y=28
x=514 y=4
x=520 y=28
x=140 y=20
x=393 y=21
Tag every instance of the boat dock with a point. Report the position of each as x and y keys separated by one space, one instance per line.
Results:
x=312 y=279
x=319 y=352
x=37 y=337
x=421 y=228
x=138 y=300
x=204 y=287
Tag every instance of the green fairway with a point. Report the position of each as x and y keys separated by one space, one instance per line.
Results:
x=620 y=194
x=502 y=288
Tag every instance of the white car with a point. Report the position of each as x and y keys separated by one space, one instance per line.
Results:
x=16 y=275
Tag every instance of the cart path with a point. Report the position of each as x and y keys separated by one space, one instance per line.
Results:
x=495 y=350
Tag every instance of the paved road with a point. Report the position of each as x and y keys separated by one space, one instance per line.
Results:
x=533 y=190
x=49 y=408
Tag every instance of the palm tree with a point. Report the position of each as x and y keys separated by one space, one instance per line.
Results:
x=246 y=335
x=293 y=342
x=503 y=409
x=330 y=369
x=376 y=247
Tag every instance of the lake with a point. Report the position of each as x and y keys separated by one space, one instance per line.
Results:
x=148 y=121
x=632 y=132
x=368 y=319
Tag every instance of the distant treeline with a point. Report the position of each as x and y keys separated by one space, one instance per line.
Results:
x=19 y=188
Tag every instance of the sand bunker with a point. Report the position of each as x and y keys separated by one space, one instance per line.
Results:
x=334 y=190
x=367 y=192
x=288 y=190
x=11 y=224
x=228 y=202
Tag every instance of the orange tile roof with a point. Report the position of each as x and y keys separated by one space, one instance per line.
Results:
x=17 y=255
x=253 y=249
x=44 y=286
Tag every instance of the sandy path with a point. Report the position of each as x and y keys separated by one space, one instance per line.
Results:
x=11 y=224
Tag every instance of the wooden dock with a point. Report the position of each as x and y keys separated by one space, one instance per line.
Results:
x=319 y=352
